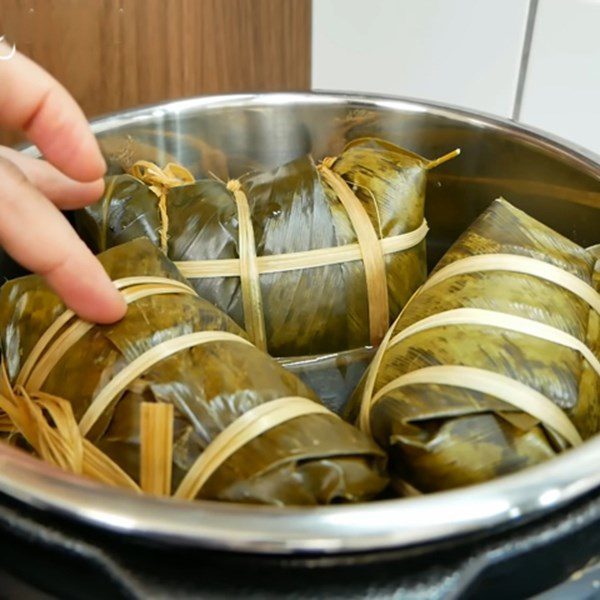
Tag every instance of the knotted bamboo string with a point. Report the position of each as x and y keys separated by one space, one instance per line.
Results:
x=370 y=249
x=529 y=399
x=55 y=442
x=160 y=181
x=254 y=316
x=24 y=405
x=26 y=413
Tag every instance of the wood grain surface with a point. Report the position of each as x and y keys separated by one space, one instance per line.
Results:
x=115 y=54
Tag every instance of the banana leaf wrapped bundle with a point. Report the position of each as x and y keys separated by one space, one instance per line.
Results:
x=494 y=363
x=173 y=399
x=309 y=259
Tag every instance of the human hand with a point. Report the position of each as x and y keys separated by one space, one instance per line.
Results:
x=32 y=229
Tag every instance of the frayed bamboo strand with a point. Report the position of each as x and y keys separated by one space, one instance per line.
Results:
x=48 y=425
x=98 y=466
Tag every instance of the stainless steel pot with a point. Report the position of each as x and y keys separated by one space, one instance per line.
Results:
x=554 y=181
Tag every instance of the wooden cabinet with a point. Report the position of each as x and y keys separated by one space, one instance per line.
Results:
x=113 y=54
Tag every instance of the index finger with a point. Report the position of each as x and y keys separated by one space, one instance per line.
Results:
x=53 y=249
x=32 y=101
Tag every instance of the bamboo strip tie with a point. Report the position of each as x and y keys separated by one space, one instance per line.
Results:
x=160 y=181
x=24 y=405
x=244 y=429
x=247 y=427
x=124 y=378
x=254 y=316
x=524 y=265
x=307 y=259
x=500 y=320
x=41 y=345
x=35 y=373
x=25 y=411
x=371 y=253
x=156 y=447
x=364 y=418
x=100 y=467
x=506 y=389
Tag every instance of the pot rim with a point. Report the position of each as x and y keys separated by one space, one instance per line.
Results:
x=336 y=529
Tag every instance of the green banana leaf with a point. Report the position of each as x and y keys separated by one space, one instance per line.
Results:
x=441 y=437
x=312 y=459
x=310 y=311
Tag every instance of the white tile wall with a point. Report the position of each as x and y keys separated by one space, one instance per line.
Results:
x=464 y=52
x=468 y=52
x=562 y=87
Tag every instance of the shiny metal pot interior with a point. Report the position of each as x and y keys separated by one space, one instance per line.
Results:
x=552 y=180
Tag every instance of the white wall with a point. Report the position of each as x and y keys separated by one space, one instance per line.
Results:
x=468 y=53
x=562 y=89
